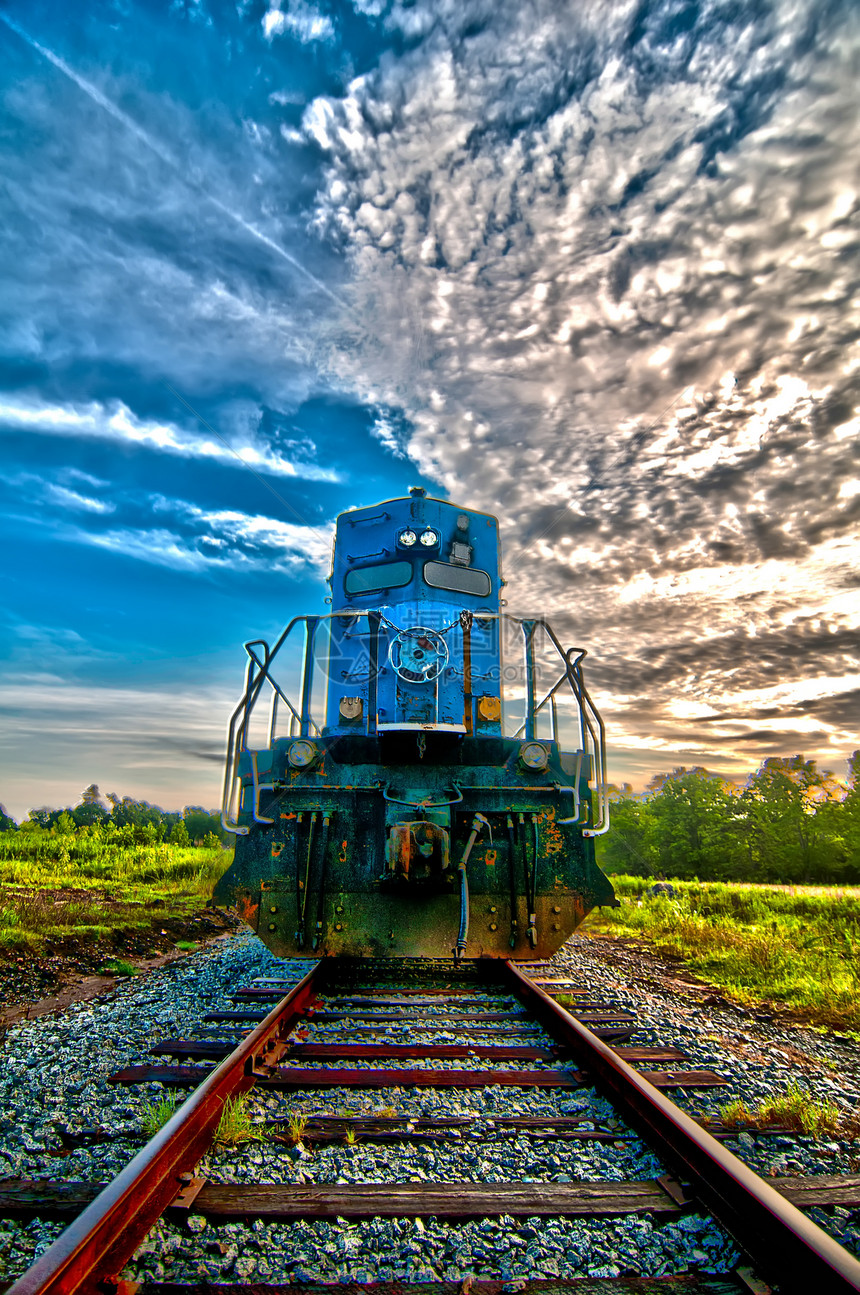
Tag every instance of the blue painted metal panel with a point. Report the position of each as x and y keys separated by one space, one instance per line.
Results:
x=402 y=678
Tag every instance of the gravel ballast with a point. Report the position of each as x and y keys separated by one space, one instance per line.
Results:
x=53 y=1071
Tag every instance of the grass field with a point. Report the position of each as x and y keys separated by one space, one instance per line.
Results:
x=55 y=888
x=797 y=947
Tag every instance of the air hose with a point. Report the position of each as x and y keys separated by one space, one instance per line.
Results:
x=463 y=934
x=512 y=882
x=323 y=875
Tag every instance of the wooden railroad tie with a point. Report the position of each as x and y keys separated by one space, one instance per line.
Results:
x=664 y=1199
x=283 y=1077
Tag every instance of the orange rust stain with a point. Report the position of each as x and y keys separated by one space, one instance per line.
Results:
x=277 y=847
x=288 y=816
x=342 y=855
x=553 y=840
x=247 y=910
x=490 y=858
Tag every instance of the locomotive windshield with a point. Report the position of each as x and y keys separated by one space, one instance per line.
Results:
x=385 y=575
x=462 y=580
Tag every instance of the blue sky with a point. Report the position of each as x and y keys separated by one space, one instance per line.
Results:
x=592 y=267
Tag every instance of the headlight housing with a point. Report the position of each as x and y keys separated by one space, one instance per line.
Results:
x=429 y=538
x=407 y=538
x=302 y=754
x=534 y=756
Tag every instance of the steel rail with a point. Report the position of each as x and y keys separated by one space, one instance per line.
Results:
x=788 y=1247
x=95 y=1247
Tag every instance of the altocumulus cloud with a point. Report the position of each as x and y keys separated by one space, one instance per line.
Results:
x=605 y=257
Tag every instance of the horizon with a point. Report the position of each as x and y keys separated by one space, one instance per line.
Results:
x=737 y=783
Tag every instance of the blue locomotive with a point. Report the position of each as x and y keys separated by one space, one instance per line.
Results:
x=416 y=773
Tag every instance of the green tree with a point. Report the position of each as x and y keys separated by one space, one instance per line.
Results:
x=7 y=822
x=199 y=821
x=138 y=814
x=629 y=845
x=840 y=819
x=65 y=824
x=694 y=824
x=788 y=809
x=44 y=816
x=92 y=809
x=179 y=834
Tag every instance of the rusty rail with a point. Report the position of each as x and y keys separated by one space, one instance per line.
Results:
x=93 y=1250
x=787 y=1246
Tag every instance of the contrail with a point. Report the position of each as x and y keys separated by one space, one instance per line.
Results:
x=165 y=156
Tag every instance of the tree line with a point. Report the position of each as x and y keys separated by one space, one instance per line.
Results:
x=135 y=820
x=790 y=822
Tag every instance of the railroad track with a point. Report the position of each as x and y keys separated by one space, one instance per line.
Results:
x=370 y=1023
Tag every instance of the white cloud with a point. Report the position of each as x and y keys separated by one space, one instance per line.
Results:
x=206 y=540
x=300 y=20
x=611 y=279
x=65 y=498
x=117 y=423
x=383 y=430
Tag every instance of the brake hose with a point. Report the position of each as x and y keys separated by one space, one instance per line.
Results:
x=463 y=934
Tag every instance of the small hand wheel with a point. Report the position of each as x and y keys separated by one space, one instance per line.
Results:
x=418 y=655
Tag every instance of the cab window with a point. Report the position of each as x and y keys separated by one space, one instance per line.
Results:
x=385 y=575
x=461 y=580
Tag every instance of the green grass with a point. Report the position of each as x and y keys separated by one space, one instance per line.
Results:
x=118 y=967
x=156 y=1115
x=798 y=947
x=55 y=888
x=187 y=946
x=296 y=1126
x=235 y=1124
x=794 y=1109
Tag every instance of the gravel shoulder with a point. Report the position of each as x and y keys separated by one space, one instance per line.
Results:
x=53 y=1069
x=36 y=984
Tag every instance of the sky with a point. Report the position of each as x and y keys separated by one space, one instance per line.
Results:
x=590 y=266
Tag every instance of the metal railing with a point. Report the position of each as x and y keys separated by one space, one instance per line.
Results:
x=590 y=734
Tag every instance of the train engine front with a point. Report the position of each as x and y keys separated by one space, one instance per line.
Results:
x=395 y=785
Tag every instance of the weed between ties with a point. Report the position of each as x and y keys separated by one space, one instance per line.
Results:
x=156 y=1115
x=235 y=1125
x=296 y=1125
x=794 y=1109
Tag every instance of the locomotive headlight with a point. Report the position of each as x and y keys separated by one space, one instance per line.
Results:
x=429 y=537
x=302 y=755
x=534 y=756
x=407 y=538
